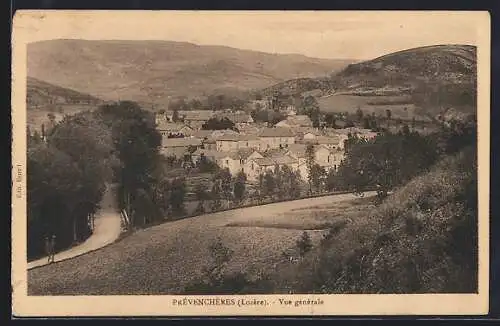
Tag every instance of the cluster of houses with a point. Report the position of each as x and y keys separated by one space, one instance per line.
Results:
x=254 y=148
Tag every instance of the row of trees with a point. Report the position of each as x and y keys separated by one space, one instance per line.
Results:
x=67 y=174
x=213 y=102
x=279 y=183
x=70 y=167
x=392 y=159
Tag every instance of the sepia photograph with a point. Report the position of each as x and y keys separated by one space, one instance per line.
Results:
x=235 y=163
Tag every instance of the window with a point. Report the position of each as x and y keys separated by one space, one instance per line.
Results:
x=227 y=162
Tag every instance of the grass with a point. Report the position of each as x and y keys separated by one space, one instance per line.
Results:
x=378 y=104
x=164 y=258
x=422 y=239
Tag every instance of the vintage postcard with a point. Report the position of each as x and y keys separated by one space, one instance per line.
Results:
x=180 y=163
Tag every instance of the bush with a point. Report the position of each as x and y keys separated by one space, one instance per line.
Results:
x=421 y=239
x=216 y=281
x=304 y=244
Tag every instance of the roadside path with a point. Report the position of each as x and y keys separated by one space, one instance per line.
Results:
x=107 y=229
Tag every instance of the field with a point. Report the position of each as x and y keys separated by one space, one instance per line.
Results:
x=36 y=116
x=369 y=104
x=164 y=258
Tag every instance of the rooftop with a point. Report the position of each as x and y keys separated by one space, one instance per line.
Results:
x=170 y=126
x=276 y=132
x=180 y=142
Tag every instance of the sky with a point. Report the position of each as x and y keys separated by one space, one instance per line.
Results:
x=356 y=35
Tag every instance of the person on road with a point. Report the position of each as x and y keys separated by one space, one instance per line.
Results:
x=47 y=249
x=52 y=248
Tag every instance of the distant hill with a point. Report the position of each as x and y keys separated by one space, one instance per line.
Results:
x=429 y=78
x=151 y=71
x=41 y=94
x=410 y=68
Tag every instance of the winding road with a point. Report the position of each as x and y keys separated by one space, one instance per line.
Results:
x=162 y=259
x=107 y=229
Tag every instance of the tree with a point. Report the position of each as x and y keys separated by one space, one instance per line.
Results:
x=201 y=196
x=359 y=114
x=269 y=184
x=304 y=244
x=239 y=186
x=388 y=114
x=317 y=175
x=310 y=164
x=215 y=193
x=279 y=181
x=225 y=177
x=330 y=120
x=295 y=187
x=89 y=144
x=205 y=165
x=175 y=116
x=261 y=187
x=136 y=143
x=43 y=135
x=219 y=124
x=221 y=187
x=310 y=107
x=54 y=182
x=290 y=182
x=177 y=196
x=367 y=124
x=195 y=104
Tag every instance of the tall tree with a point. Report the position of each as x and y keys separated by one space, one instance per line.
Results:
x=310 y=164
x=177 y=196
x=388 y=114
x=239 y=186
x=201 y=196
x=269 y=184
x=359 y=115
x=136 y=142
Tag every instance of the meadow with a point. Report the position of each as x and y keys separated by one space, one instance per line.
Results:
x=400 y=106
x=163 y=259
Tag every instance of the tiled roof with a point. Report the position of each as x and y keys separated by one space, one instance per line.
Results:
x=327 y=140
x=210 y=153
x=228 y=137
x=202 y=133
x=198 y=115
x=173 y=151
x=276 y=132
x=180 y=142
x=169 y=126
x=236 y=117
x=265 y=161
x=299 y=150
x=284 y=159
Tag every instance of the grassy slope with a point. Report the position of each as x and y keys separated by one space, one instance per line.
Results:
x=43 y=99
x=421 y=240
x=391 y=77
x=162 y=259
x=154 y=70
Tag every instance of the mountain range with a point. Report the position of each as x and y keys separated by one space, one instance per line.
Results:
x=154 y=71
x=430 y=79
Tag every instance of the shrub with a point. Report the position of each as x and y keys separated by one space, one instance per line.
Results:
x=304 y=244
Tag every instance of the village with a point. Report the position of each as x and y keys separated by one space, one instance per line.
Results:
x=252 y=147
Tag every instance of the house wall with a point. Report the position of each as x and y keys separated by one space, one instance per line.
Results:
x=275 y=142
x=226 y=145
x=309 y=136
x=322 y=155
x=233 y=165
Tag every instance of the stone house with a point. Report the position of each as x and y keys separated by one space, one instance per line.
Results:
x=277 y=137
